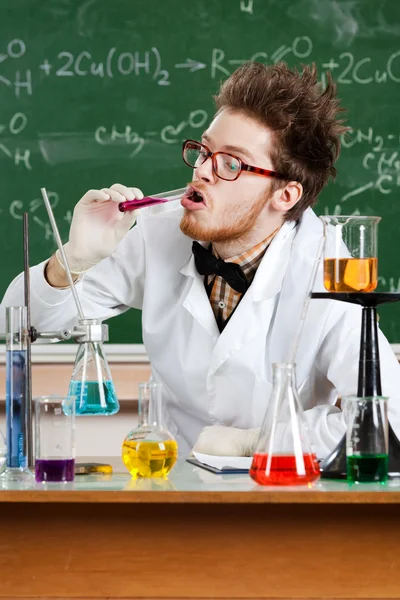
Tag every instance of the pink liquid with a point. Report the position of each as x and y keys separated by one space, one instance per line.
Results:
x=134 y=204
x=283 y=470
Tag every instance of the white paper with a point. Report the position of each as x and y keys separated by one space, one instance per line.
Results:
x=224 y=462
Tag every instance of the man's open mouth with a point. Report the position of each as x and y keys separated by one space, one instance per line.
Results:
x=193 y=199
x=194 y=195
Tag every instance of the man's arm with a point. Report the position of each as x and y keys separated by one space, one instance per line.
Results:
x=55 y=274
x=98 y=230
x=337 y=361
x=106 y=290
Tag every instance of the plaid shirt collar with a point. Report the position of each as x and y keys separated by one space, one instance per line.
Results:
x=223 y=298
x=250 y=259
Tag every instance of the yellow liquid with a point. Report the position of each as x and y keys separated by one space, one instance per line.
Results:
x=350 y=274
x=149 y=459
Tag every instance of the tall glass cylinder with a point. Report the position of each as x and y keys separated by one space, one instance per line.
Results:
x=351 y=253
x=16 y=391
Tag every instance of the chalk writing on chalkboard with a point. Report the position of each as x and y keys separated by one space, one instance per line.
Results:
x=379 y=159
x=346 y=66
x=246 y=6
x=381 y=162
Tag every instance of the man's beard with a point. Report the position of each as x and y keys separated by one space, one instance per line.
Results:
x=240 y=223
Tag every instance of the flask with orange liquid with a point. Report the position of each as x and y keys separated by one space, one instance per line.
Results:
x=350 y=255
x=284 y=453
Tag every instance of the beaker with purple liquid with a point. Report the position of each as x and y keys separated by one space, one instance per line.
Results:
x=54 y=439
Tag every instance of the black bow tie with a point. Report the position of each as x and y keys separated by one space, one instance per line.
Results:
x=208 y=264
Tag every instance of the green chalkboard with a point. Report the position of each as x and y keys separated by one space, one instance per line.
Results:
x=96 y=92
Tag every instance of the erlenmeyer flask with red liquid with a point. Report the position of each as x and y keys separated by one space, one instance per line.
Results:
x=284 y=453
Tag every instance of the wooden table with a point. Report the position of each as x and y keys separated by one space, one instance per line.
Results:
x=199 y=535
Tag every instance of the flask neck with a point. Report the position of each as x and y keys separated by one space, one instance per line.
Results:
x=143 y=411
x=284 y=374
x=150 y=405
x=88 y=349
x=90 y=362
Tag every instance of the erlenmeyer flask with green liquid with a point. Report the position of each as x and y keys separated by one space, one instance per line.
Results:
x=91 y=380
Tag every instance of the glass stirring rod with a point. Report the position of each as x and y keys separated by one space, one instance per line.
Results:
x=152 y=200
x=78 y=304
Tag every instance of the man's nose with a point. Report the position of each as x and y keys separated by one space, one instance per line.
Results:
x=205 y=171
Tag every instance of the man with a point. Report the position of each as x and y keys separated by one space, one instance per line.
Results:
x=212 y=338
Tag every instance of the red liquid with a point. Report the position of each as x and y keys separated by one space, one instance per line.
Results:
x=134 y=204
x=283 y=470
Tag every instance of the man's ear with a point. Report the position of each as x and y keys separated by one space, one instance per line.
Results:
x=285 y=198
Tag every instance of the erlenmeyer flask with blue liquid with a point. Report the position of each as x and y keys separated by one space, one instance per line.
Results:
x=91 y=380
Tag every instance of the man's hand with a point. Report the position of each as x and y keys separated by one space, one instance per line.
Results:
x=98 y=226
x=227 y=441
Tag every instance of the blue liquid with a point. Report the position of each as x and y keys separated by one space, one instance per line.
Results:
x=88 y=401
x=15 y=408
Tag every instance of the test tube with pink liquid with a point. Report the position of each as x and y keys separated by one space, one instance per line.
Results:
x=152 y=200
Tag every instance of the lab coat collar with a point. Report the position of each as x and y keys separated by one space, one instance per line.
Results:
x=269 y=276
x=197 y=302
x=295 y=287
x=271 y=271
x=254 y=312
x=188 y=268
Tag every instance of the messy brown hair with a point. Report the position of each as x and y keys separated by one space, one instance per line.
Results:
x=303 y=116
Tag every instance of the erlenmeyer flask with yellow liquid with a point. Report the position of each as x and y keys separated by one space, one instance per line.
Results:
x=91 y=382
x=284 y=453
x=150 y=450
x=350 y=253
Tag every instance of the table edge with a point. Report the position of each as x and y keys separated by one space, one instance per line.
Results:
x=187 y=497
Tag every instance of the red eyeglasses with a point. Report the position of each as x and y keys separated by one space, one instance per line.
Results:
x=225 y=166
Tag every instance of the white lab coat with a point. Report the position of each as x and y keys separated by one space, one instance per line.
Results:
x=223 y=378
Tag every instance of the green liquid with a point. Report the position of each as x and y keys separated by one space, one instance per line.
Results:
x=367 y=468
x=88 y=398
